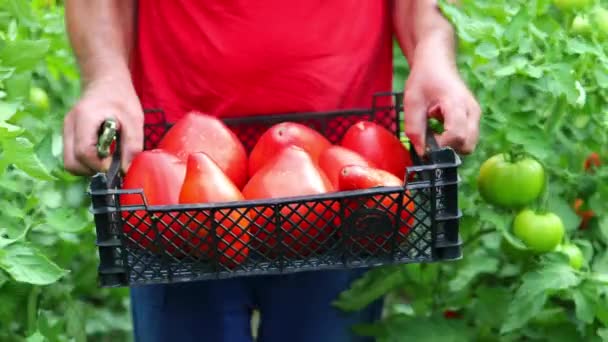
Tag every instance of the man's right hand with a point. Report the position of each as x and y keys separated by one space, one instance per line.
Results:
x=102 y=99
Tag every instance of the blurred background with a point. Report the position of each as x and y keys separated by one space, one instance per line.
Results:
x=539 y=69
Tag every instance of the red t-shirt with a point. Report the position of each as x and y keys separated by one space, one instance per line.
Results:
x=243 y=57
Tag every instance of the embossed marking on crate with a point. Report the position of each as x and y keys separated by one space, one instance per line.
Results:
x=364 y=222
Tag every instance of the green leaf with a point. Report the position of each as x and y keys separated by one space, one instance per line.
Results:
x=603 y=223
x=531 y=138
x=564 y=210
x=5 y=240
x=584 y=300
x=479 y=262
x=601 y=76
x=7 y=110
x=22 y=10
x=103 y=321
x=490 y=304
x=6 y=72
x=24 y=54
x=35 y=337
x=76 y=322
x=531 y=296
x=63 y=220
x=27 y=265
x=517 y=25
x=421 y=329
x=20 y=152
x=603 y=333
x=581 y=47
x=487 y=50
x=18 y=86
x=599 y=277
x=8 y=131
x=371 y=286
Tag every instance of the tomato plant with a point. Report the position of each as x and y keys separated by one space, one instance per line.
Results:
x=48 y=257
x=543 y=86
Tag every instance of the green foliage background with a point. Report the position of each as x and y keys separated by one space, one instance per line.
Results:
x=542 y=84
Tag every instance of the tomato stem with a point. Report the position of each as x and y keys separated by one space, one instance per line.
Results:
x=32 y=309
x=516 y=153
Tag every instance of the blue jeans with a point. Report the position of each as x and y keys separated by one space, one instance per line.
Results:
x=294 y=308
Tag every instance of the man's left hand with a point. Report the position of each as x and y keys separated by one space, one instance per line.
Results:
x=435 y=89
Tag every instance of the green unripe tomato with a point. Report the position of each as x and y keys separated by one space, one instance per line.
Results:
x=540 y=232
x=600 y=19
x=581 y=25
x=39 y=98
x=575 y=255
x=510 y=184
x=569 y=5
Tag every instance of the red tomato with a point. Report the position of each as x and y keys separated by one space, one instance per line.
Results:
x=197 y=132
x=379 y=146
x=357 y=177
x=282 y=135
x=291 y=173
x=451 y=314
x=205 y=182
x=160 y=175
x=592 y=162
x=335 y=158
x=584 y=213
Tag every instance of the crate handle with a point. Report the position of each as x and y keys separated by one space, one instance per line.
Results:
x=431 y=144
x=108 y=133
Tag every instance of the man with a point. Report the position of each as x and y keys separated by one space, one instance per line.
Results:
x=234 y=57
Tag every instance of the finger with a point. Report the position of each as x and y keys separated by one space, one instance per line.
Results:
x=70 y=162
x=415 y=122
x=86 y=130
x=455 y=126
x=474 y=116
x=131 y=139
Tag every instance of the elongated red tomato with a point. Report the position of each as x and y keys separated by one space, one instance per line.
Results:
x=305 y=226
x=205 y=182
x=283 y=135
x=335 y=158
x=358 y=177
x=198 y=132
x=379 y=146
x=160 y=175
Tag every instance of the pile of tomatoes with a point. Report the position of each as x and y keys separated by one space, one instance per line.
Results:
x=201 y=160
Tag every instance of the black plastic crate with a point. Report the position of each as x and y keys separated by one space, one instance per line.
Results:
x=414 y=223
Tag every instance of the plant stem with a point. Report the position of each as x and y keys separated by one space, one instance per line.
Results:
x=544 y=199
x=32 y=310
x=478 y=235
